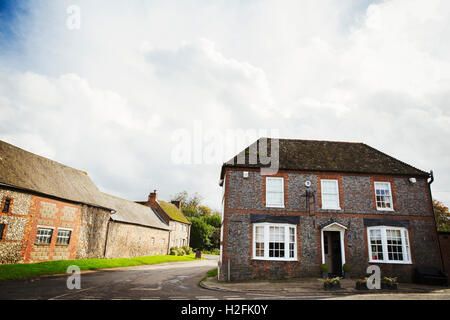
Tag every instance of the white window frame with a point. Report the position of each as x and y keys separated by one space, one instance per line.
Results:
x=406 y=247
x=275 y=205
x=390 y=192
x=338 y=207
x=70 y=236
x=45 y=236
x=266 y=236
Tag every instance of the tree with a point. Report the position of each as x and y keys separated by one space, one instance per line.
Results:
x=204 y=210
x=442 y=216
x=213 y=220
x=200 y=234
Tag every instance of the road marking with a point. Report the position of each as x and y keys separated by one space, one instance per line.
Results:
x=152 y=298
x=178 y=298
x=207 y=298
x=74 y=292
x=147 y=289
x=233 y=298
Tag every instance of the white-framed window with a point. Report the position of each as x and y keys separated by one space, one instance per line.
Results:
x=44 y=235
x=388 y=245
x=163 y=242
x=152 y=241
x=63 y=236
x=274 y=192
x=383 y=196
x=330 y=194
x=274 y=241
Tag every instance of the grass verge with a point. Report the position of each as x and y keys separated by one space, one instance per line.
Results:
x=22 y=270
x=211 y=273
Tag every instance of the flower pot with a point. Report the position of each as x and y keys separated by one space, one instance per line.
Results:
x=361 y=286
x=389 y=286
x=346 y=275
x=331 y=286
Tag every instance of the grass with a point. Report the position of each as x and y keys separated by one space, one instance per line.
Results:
x=211 y=273
x=22 y=270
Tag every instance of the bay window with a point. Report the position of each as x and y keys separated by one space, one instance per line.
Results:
x=388 y=245
x=274 y=241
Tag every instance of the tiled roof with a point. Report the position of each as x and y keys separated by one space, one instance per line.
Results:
x=331 y=156
x=172 y=211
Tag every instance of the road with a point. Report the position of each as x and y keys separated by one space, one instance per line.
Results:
x=168 y=281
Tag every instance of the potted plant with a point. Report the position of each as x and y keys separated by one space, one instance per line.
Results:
x=346 y=268
x=389 y=283
x=332 y=283
x=361 y=284
x=324 y=268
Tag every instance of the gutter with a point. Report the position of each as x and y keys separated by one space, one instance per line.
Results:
x=431 y=176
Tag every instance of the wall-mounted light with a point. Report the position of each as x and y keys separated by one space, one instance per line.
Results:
x=245 y=174
x=412 y=180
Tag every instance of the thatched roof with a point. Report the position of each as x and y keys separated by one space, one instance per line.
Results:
x=135 y=213
x=25 y=170
x=325 y=156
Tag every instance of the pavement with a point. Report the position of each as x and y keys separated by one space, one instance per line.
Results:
x=180 y=281
x=313 y=288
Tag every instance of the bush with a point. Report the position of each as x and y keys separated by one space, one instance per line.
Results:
x=324 y=267
x=215 y=251
x=175 y=251
x=187 y=250
x=346 y=267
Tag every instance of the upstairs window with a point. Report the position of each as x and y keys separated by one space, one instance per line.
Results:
x=388 y=245
x=330 y=194
x=6 y=205
x=274 y=192
x=63 y=236
x=44 y=235
x=383 y=196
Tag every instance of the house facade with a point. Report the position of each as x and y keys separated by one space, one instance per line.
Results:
x=170 y=212
x=49 y=211
x=328 y=202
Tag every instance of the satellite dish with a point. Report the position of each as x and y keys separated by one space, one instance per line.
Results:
x=308 y=184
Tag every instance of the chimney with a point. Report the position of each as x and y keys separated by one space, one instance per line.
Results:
x=177 y=203
x=152 y=197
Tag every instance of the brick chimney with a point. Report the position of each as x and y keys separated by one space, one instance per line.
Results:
x=177 y=203
x=152 y=197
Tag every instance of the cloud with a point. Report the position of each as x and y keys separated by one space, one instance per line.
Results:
x=108 y=98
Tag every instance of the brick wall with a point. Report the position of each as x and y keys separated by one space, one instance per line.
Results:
x=444 y=238
x=357 y=201
x=127 y=240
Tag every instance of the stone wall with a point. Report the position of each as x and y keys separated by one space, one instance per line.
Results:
x=127 y=240
x=246 y=196
x=179 y=233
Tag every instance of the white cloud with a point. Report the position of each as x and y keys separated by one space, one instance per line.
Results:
x=108 y=97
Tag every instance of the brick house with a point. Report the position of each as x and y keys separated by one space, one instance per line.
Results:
x=49 y=211
x=328 y=202
x=170 y=212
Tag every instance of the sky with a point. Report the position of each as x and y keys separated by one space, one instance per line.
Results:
x=148 y=95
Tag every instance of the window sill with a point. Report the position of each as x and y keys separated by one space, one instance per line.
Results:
x=390 y=262
x=42 y=244
x=384 y=209
x=338 y=208
x=274 y=206
x=275 y=259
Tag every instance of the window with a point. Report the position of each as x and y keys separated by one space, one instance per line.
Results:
x=330 y=194
x=2 y=230
x=163 y=242
x=6 y=205
x=44 y=235
x=274 y=192
x=63 y=236
x=383 y=196
x=388 y=245
x=273 y=241
x=152 y=241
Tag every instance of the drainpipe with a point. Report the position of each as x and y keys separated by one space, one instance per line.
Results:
x=431 y=176
x=107 y=233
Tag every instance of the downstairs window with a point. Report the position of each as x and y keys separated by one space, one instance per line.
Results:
x=388 y=245
x=274 y=241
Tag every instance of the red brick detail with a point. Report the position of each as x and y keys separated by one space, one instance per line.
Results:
x=323 y=176
x=283 y=175
x=389 y=179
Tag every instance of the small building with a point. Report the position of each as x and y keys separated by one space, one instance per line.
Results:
x=325 y=202
x=170 y=212
x=49 y=211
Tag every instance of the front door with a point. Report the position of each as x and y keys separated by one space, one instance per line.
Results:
x=332 y=251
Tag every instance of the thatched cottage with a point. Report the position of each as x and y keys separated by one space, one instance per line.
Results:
x=49 y=211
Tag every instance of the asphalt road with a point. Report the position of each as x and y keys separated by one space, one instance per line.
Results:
x=168 y=281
